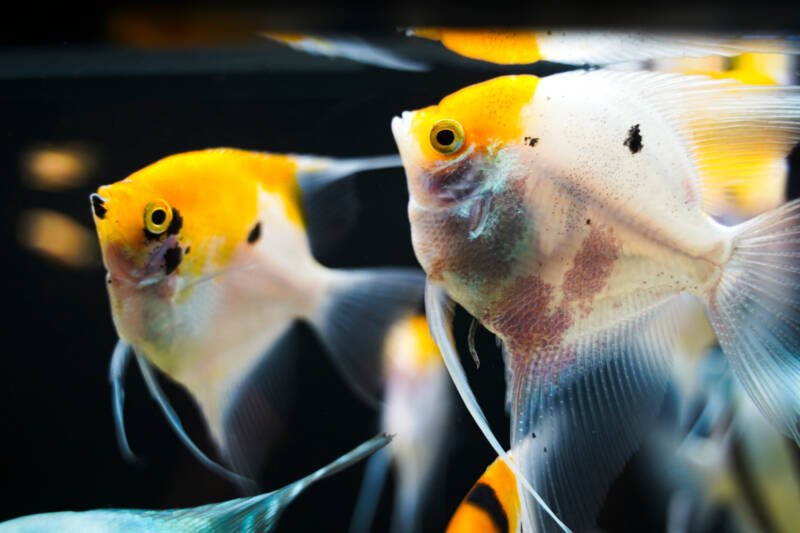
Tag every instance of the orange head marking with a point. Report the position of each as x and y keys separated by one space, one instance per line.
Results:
x=504 y=46
x=187 y=213
x=479 y=120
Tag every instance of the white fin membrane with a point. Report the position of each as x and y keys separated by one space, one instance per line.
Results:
x=585 y=404
x=439 y=309
x=755 y=312
x=353 y=322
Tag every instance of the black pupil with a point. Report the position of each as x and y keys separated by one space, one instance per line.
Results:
x=158 y=217
x=445 y=137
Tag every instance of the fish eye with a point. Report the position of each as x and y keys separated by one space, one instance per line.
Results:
x=447 y=136
x=157 y=216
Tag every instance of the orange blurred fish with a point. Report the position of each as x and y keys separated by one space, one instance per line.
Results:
x=573 y=216
x=579 y=47
x=209 y=264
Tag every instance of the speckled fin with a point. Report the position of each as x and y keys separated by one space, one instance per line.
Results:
x=735 y=132
x=755 y=312
x=439 y=309
x=584 y=406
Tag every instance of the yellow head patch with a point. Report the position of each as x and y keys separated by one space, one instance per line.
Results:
x=212 y=195
x=489 y=114
x=506 y=47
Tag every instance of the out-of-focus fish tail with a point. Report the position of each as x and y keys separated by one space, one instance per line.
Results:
x=355 y=315
x=754 y=309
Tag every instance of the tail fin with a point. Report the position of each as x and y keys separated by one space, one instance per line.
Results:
x=755 y=312
x=359 y=309
x=261 y=513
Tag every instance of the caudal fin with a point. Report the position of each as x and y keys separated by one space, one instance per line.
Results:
x=755 y=312
x=357 y=312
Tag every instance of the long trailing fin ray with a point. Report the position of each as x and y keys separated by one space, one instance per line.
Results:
x=370 y=493
x=353 y=321
x=120 y=359
x=439 y=309
x=739 y=135
x=755 y=312
x=588 y=401
x=172 y=417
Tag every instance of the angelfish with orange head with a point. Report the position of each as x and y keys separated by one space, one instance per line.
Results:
x=574 y=218
x=209 y=264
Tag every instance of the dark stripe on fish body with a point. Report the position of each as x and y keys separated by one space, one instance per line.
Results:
x=98 y=207
x=484 y=497
x=255 y=233
x=172 y=258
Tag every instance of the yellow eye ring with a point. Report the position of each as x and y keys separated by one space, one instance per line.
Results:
x=447 y=136
x=157 y=216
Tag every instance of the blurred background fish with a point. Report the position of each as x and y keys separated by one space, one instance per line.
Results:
x=246 y=515
x=417 y=410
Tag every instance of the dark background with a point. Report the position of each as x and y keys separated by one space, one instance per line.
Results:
x=72 y=75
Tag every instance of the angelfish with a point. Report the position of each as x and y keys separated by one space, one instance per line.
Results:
x=510 y=46
x=246 y=515
x=209 y=264
x=571 y=215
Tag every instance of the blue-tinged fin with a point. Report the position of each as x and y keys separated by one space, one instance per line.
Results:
x=370 y=494
x=255 y=514
x=360 y=307
x=755 y=312
x=348 y=47
x=330 y=203
x=439 y=309
x=586 y=402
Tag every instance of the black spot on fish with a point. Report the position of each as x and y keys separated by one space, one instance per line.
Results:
x=484 y=497
x=255 y=233
x=172 y=258
x=98 y=206
x=186 y=252
x=533 y=435
x=545 y=449
x=176 y=224
x=531 y=141
x=634 y=140
x=588 y=221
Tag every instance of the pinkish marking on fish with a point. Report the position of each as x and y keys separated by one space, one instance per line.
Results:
x=591 y=268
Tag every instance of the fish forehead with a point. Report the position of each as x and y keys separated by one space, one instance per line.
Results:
x=216 y=193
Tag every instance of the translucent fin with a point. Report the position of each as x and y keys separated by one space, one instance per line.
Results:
x=359 y=308
x=605 y=47
x=119 y=365
x=172 y=417
x=346 y=46
x=580 y=408
x=255 y=409
x=330 y=203
x=739 y=135
x=243 y=515
x=755 y=312
x=370 y=494
x=439 y=309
